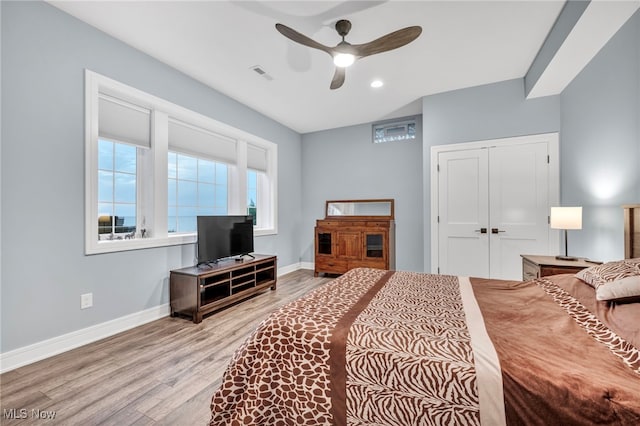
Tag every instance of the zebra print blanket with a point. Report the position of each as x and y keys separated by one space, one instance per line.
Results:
x=372 y=347
x=399 y=348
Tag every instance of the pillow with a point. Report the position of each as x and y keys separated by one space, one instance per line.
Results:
x=616 y=281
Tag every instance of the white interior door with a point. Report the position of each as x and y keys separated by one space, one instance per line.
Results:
x=518 y=206
x=463 y=213
x=505 y=186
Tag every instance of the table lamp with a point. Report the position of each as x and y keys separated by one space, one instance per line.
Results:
x=566 y=218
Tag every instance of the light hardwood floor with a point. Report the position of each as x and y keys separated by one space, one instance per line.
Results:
x=161 y=373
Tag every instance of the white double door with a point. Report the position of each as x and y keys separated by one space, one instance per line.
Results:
x=493 y=205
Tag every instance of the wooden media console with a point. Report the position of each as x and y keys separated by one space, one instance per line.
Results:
x=199 y=290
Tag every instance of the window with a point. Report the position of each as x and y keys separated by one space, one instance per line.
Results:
x=260 y=189
x=395 y=130
x=252 y=195
x=123 y=136
x=153 y=166
x=196 y=186
x=117 y=181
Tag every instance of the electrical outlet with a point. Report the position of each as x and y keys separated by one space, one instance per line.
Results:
x=86 y=300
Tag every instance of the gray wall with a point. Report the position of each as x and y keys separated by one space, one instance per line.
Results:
x=600 y=144
x=344 y=164
x=44 y=269
x=484 y=112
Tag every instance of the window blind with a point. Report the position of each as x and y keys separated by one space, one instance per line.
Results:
x=124 y=122
x=190 y=139
x=256 y=158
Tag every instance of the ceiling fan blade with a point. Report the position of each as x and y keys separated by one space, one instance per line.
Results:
x=388 y=42
x=292 y=34
x=338 y=78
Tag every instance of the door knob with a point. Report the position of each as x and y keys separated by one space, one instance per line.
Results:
x=481 y=230
x=496 y=230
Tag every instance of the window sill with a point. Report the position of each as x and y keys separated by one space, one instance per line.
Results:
x=265 y=231
x=112 y=246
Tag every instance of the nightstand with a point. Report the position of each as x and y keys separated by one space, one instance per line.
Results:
x=541 y=266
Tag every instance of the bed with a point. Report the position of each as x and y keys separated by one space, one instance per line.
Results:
x=380 y=347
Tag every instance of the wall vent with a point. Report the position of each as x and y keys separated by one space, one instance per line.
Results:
x=402 y=129
x=260 y=71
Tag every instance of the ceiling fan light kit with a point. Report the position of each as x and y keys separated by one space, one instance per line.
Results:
x=345 y=54
x=343 y=60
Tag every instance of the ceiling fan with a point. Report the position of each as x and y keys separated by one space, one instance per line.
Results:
x=344 y=54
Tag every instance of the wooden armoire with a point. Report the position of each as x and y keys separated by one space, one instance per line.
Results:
x=355 y=233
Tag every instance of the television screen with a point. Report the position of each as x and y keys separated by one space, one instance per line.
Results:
x=224 y=236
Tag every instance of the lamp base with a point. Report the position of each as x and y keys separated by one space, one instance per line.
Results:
x=562 y=257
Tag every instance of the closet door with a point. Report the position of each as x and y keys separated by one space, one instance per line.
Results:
x=518 y=206
x=463 y=213
x=492 y=205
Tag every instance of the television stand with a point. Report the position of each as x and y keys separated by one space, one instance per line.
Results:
x=198 y=290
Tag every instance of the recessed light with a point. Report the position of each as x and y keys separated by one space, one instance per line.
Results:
x=377 y=83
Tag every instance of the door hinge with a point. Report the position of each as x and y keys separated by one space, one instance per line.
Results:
x=549 y=220
x=438 y=167
x=438 y=269
x=548 y=160
x=438 y=219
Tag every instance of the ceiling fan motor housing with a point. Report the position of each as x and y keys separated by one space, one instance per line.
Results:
x=343 y=27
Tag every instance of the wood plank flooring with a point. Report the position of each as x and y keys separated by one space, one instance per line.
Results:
x=161 y=373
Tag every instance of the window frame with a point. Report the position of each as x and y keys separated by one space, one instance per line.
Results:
x=152 y=200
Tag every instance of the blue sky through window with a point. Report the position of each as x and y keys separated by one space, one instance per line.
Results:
x=196 y=186
x=252 y=194
x=117 y=180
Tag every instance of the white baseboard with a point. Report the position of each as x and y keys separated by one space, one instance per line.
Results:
x=294 y=267
x=54 y=346
x=288 y=269
x=57 y=345
x=308 y=265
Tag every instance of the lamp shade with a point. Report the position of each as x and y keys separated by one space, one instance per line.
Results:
x=566 y=217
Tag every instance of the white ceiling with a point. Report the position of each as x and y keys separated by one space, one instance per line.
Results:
x=463 y=44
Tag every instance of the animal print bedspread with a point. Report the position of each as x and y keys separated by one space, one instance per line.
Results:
x=372 y=347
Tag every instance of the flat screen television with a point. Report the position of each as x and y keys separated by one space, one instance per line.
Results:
x=221 y=237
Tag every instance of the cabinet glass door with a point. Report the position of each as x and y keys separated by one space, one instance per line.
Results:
x=374 y=245
x=324 y=243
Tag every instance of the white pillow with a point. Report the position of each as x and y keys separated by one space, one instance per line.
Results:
x=616 y=281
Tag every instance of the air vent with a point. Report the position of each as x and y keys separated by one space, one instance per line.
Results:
x=260 y=71
x=394 y=130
